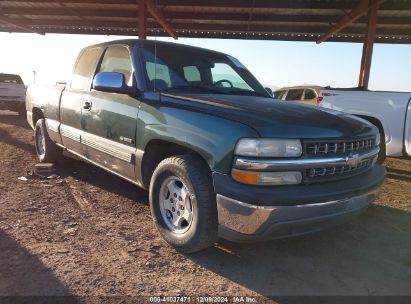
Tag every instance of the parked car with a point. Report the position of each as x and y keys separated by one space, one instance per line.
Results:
x=390 y=112
x=197 y=130
x=303 y=94
x=12 y=93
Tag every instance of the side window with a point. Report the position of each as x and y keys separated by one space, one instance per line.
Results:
x=309 y=94
x=158 y=71
x=294 y=95
x=84 y=69
x=192 y=74
x=117 y=59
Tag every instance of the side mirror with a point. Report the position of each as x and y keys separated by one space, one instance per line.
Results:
x=112 y=82
x=269 y=91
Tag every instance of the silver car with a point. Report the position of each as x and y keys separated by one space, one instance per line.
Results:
x=12 y=93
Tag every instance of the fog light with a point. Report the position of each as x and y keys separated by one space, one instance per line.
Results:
x=266 y=178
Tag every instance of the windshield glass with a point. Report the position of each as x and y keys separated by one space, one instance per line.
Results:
x=182 y=68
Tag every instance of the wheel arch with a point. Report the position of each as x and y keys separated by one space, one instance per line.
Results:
x=157 y=150
x=375 y=121
x=37 y=114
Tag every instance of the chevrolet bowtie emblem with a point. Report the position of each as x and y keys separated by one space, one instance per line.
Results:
x=353 y=160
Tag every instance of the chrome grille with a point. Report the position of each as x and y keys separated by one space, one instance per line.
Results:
x=339 y=147
x=338 y=171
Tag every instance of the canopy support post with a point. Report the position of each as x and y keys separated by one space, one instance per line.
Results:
x=142 y=19
x=368 y=46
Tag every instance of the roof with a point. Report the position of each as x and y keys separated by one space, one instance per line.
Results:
x=151 y=43
x=296 y=20
x=315 y=87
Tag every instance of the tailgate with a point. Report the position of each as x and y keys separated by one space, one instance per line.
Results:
x=9 y=91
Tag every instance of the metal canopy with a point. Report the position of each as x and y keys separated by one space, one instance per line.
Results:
x=294 y=20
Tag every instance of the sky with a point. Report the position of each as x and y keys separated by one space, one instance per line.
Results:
x=274 y=63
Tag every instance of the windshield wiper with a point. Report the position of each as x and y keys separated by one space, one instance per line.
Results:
x=246 y=93
x=193 y=87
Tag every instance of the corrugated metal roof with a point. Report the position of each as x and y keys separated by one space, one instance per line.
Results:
x=243 y=19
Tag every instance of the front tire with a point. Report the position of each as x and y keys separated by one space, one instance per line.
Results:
x=183 y=203
x=47 y=151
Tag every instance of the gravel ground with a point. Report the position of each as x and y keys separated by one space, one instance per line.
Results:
x=89 y=233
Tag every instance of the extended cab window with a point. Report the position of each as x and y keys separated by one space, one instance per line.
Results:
x=84 y=69
x=117 y=59
x=294 y=95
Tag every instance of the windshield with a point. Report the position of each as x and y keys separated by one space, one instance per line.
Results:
x=182 y=68
x=8 y=78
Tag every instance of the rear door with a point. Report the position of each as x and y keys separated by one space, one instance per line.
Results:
x=74 y=97
x=109 y=125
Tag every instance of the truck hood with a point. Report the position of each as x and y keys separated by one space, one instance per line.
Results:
x=274 y=118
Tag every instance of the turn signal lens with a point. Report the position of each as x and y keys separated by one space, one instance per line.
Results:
x=266 y=178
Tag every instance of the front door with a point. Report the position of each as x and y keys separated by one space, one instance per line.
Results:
x=73 y=98
x=109 y=124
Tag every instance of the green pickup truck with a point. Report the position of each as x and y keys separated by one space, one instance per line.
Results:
x=219 y=156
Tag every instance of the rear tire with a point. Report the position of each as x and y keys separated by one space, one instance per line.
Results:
x=47 y=151
x=183 y=203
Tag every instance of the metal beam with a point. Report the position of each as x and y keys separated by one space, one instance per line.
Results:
x=142 y=19
x=357 y=12
x=203 y=16
x=158 y=15
x=18 y=25
x=368 y=46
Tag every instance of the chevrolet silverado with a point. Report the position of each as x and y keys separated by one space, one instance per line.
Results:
x=219 y=156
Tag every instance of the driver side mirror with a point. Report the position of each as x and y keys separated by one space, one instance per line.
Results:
x=269 y=91
x=112 y=82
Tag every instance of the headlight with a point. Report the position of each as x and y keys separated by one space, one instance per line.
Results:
x=269 y=147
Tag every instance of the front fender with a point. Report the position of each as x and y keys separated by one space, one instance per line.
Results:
x=213 y=138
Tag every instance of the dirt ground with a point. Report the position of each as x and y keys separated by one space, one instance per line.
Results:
x=91 y=234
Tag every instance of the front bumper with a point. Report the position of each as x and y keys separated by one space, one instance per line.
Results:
x=254 y=218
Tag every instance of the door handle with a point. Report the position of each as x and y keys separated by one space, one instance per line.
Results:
x=87 y=105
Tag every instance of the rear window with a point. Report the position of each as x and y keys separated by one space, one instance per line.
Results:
x=294 y=95
x=8 y=78
x=310 y=94
x=279 y=94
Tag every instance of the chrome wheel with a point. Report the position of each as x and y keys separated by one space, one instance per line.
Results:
x=40 y=142
x=175 y=205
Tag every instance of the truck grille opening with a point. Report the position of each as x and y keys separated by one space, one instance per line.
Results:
x=313 y=174
x=339 y=147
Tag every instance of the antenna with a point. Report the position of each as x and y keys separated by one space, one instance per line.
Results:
x=155 y=56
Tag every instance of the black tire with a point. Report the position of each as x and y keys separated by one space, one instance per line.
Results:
x=47 y=151
x=382 y=155
x=196 y=177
